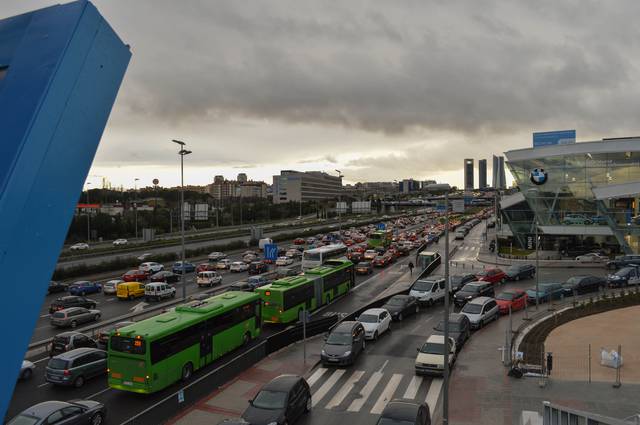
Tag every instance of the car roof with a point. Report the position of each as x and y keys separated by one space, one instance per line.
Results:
x=401 y=409
x=282 y=383
x=76 y=352
x=480 y=300
x=346 y=326
x=374 y=311
x=44 y=409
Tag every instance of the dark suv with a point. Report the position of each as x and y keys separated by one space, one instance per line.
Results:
x=583 y=284
x=473 y=290
x=457 y=281
x=459 y=329
x=623 y=261
x=76 y=366
x=520 y=271
x=71 y=301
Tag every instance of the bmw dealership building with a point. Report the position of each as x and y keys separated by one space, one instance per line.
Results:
x=585 y=196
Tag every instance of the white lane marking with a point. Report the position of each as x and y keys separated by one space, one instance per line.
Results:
x=110 y=299
x=412 y=389
x=316 y=375
x=383 y=366
x=345 y=390
x=44 y=316
x=40 y=360
x=421 y=324
x=366 y=391
x=43 y=385
x=92 y=396
x=324 y=389
x=387 y=394
x=434 y=393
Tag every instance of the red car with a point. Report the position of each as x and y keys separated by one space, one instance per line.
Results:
x=298 y=241
x=135 y=276
x=355 y=256
x=381 y=261
x=206 y=267
x=492 y=276
x=515 y=298
x=349 y=242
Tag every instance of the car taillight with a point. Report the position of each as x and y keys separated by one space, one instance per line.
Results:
x=66 y=372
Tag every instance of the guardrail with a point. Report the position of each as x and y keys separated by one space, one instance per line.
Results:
x=555 y=414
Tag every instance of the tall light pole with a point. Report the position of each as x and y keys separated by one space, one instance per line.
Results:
x=447 y=285
x=88 y=215
x=535 y=221
x=135 y=205
x=182 y=152
x=340 y=175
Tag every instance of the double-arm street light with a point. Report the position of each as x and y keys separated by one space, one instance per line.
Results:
x=182 y=152
x=135 y=204
x=536 y=224
x=340 y=175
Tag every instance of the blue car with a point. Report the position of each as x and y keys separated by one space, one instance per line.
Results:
x=84 y=287
x=546 y=292
x=179 y=268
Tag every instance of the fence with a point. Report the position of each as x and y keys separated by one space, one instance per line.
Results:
x=554 y=414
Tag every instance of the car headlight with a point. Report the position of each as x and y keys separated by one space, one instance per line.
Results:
x=272 y=423
x=469 y=297
x=323 y=353
x=347 y=353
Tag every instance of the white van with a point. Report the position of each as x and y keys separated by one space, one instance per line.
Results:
x=263 y=242
x=209 y=278
x=155 y=291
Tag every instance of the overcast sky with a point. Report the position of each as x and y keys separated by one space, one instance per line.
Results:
x=380 y=90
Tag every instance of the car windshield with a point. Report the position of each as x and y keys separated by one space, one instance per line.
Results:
x=61 y=339
x=363 y=264
x=432 y=348
x=339 y=338
x=271 y=400
x=396 y=301
x=58 y=315
x=547 y=287
x=453 y=326
x=456 y=280
x=422 y=285
x=483 y=273
x=392 y=421
x=471 y=288
x=55 y=363
x=573 y=280
x=623 y=272
x=505 y=296
x=514 y=269
x=23 y=419
x=472 y=308
x=368 y=318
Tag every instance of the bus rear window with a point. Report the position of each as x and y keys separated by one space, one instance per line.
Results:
x=127 y=345
x=313 y=256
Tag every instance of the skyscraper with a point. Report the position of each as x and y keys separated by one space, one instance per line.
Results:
x=468 y=174
x=482 y=174
x=499 y=180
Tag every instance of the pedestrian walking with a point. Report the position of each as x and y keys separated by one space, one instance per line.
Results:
x=410 y=268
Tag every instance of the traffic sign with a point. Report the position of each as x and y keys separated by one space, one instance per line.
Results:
x=441 y=208
x=381 y=226
x=271 y=251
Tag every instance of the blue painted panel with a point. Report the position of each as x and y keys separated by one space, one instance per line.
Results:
x=271 y=251
x=549 y=138
x=65 y=66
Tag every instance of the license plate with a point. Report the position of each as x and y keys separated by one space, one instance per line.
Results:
x=333 y=360
x=127 y=383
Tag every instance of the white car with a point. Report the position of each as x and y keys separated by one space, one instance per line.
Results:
x=156 y=291
x=151 y=267
x=223 y=264
x=428 y=290
x=592 y=257
x=79 y=246
x=217 y=256
x=250 y=258
x=284 y=261
x=293 y=253
x=208 y=278
x=110 y=287
x=376 y=321
x=430 y=359
x=26 y=370
x=120 y=242
x=238 y=266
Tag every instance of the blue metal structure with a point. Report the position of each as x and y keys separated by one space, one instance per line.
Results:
x=60 y=70
x=271 y=252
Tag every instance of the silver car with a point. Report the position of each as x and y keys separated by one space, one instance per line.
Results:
x=73 y=316
x=111 y=287
x=481 y=311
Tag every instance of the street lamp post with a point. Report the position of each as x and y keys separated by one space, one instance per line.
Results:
x=182 y=152
x=535 y=221
x=447 y=286
x=135 y=205
x=88 y=215
x=340 y=175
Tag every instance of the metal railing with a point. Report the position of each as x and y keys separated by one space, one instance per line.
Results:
x=554 y=414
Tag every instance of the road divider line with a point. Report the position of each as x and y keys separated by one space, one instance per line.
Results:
x=412 y=389
x=40 y=360
x=366 y=391
x=92 y=396
x=434 y=393
x=316 y=375
x=43 y=385
x=324 y=389
x=387 y=394
x=345 y=390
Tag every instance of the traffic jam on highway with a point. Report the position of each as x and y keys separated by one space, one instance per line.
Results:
x=235 y=292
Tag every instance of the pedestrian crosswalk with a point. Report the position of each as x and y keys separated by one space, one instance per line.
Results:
x=359 y=390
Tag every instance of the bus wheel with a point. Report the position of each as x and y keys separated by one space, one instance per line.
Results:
x=246 y=338
x=187 y=370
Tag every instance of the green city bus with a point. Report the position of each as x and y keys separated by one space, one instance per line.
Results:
x=380 y=238
x=284 y=299
x=152 y=354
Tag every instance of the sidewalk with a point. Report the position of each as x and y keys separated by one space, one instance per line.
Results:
x=230 y=400
x=482 y=393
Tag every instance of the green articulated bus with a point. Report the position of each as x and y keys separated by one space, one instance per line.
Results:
x=152 y=354
x=285 y=298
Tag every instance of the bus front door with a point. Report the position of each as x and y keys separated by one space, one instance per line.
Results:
x=206 y=348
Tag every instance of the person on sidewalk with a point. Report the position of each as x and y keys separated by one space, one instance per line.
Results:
x=410 y=268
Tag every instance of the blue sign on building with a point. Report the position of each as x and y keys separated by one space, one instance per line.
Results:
x=271 y=252
x=381 y=226
x=550 y=138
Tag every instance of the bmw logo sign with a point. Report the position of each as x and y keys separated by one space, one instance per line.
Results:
x=538 y=176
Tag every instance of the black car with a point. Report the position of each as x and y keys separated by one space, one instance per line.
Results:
x=257 y=267
x=241 y=285
x=624 y=261
x=405 y=412
x=67 y=341
x=473 y=290
x=72 y=301
x=57 y=287
x=459 y=329
x=457 y=281
x=79 y=412
x=583 y=285
x=282 y=401
x=521 y=271
x=165 y=276
x=103 y=336
x=624 y=277
x=401 y=306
